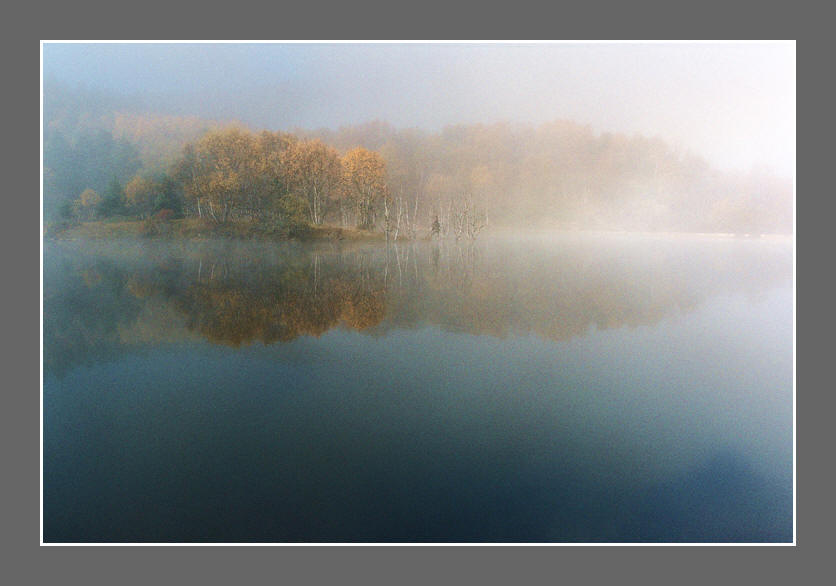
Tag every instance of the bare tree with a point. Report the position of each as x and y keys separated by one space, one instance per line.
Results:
x=466 y=220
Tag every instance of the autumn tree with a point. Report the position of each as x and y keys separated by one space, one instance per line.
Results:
x=139 y=195
x=271 y=181
x=219 y=173
x=313 y=172
x=85 y=206
x=364 y=181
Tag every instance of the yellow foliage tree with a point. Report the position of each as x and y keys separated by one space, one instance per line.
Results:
x=140 y=192
x=364 y=182
x=220 y=172
x=313 y=172
x=85 y=206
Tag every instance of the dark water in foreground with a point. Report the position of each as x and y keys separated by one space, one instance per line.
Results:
x=569 y=389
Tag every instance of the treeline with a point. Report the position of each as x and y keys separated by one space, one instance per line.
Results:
x=564 y=175
x=403 y=182
x=274 y=178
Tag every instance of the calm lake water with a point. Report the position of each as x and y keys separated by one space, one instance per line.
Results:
x=571 y=388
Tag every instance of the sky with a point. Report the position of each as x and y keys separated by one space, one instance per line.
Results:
x=733 y=103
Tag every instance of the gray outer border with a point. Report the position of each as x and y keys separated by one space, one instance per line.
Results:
x=400 y=565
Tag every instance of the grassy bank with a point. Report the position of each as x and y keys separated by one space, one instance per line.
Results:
x=198 y=229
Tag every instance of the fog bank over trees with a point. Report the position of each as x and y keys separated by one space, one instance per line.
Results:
x=105 y=156
x=732 y=103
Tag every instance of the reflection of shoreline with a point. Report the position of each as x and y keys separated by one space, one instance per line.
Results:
x=98 y=301
x=534 y=233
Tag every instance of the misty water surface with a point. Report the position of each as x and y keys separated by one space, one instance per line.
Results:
x=571 y=388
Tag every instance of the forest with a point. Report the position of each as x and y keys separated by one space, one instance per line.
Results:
x=117 y=162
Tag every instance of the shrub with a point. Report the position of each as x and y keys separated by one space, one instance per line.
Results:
x=164 y=215
x=157 y=225
x=150 y=227
x=294 y=213
x=54 y=229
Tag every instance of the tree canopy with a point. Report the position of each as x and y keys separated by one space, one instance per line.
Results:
x=555 y=175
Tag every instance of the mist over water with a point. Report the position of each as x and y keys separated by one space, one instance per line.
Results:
x=405 y=292
x=569 y=388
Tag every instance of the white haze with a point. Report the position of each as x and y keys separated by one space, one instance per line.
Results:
x=733 y=103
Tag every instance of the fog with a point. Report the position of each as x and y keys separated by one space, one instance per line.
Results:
x=732 y=103
x=662 y=137
x=430 y=293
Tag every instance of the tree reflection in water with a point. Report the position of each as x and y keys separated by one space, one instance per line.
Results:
x=101 y=301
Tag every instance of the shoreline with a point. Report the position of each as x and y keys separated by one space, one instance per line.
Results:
x=193 y=229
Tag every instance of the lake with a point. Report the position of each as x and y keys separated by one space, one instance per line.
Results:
x=568 y=388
